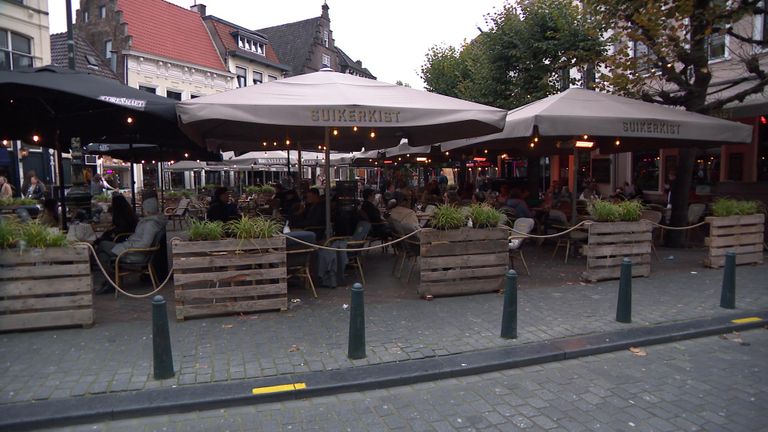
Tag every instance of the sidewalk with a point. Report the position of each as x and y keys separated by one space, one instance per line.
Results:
x=115 y=356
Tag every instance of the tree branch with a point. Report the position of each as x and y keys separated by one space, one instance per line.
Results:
x=740 y=96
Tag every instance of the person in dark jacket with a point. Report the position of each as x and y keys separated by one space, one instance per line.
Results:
x=124 y=219
x=312 y=216
x=222 y=208
x=372 y=214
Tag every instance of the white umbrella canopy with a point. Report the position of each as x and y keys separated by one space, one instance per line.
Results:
x=605 y=119
x=187 y=165
x=364 y=112
x=404 y=148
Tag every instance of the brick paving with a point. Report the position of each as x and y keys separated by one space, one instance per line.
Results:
x=116 y=354
x=708 y=384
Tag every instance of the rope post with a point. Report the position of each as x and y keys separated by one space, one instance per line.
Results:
x=509 y=313
x=728 y=293
x=356 y=324
x=161 y=340
x=624 y=305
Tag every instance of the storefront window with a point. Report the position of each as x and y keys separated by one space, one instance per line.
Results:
x=646 y=170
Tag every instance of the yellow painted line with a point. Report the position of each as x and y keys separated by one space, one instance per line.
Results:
x=278 y=388
x=746 y=320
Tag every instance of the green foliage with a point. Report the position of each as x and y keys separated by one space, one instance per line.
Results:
x=732 y=207
x=485 y=216
x=102 y=198
x=252 y=190
x=205 y=230
x=10 y=232
x=607 y=211
x=36 y=235
x=267 y=190
x=447 y=217
x=13 y=202
x=520 y=57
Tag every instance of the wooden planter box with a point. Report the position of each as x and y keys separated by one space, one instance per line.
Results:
x=229 y=276
x=740 y=234
x=610 y=242
x=463 y=261
x=45 y=288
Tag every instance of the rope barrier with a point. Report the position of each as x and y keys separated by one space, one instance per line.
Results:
x=678 y=228
x=352 y=249
x=589 y=222
x=111 y=282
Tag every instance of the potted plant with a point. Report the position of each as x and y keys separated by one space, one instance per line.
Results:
x=459 y=259
x=737 y=226
x=617 y=233
x=230 y=268
x=44 y=282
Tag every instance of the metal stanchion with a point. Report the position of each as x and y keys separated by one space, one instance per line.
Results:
x=728 y=293
x=356 y=324
x=509 y=314
x=161 y=340
x=624 y=305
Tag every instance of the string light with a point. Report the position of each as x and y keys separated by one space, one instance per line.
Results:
x=618 y=142
x=129 y=120
x=373 y=134
x=35 y=138
x=265 y=143
x=586 y=136
x=186 y=155
x=335 y=132
x=287 y=142
x=354 y=128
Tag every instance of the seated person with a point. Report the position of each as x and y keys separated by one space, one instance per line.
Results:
x=478 y=197
x=370 y=212
x=312 y=214
x=518 y=204
x=222 y=208
x=50 y=214
x=147 y=229
x=124 y=219
x=402 y=217
x=451 y=198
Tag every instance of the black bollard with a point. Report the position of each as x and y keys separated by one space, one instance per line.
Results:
x=728 y=294
x=356 y=324
x=509 y=314
x=624 y=305
x=161 y=340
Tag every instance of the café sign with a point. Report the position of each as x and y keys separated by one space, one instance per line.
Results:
x=354 y=115
x=650 y=127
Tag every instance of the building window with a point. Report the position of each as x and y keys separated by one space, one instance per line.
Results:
x=173 y=95
x=326 y=61
x=272 y=78
x=326 y=38
x=194 y=96
x=102 y=11
x=15 y=51
x=148 y=89
x=258 y=77
x=92 y=61
x=86 y=16
x=107 y=49
x=644 y=58
x=716 y=46
x=241 y=76
x=646 y=170
x=251 y=45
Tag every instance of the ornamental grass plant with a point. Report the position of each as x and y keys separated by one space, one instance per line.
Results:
x=448 y=217
x=732 y=207
x=624 y=211
x=485 y=216
x=202 y=230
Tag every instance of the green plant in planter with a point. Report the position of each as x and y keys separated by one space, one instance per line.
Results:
x=36 y=235
x=732 y=207
x=485 y=216
x=267 y=190
x=448 y=217
x=253 y=190
x=102 y=198
x=172 y=195
x=12 y=202
x=607 y=211
x=253 y=228
x=205 y=230
x=10 y=233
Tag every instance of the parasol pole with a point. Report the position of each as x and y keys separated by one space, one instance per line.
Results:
x=133 y=180
x=298 y=162
x=328 y=230
x=575 y=183
x=60 y=172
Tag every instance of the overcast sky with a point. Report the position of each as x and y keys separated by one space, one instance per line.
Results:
x=390 y=37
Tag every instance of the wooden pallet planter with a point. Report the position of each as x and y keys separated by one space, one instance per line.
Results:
x=740 y=234
x=229 y=276
x=610 y=242
x=42 y=288
x=463 y=261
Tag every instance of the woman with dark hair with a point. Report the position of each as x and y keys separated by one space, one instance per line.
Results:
x=124 y=219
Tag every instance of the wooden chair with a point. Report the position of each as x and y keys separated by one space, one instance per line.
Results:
x=178 y=213
x=695 y=212
x=300 y=257
x=559 y=221
x=139 y=260
x=356 y=240
x=517 y=238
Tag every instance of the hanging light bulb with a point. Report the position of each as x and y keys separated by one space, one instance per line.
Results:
x=373 y=134
x=335 y=132
x=129 y=120
x=36 y=138
x=287 y=142
x=354 y=128
x=618 y=142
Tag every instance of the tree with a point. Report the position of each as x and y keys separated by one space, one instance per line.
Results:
x=402 y=84
x=520 y=58
x=672 y=40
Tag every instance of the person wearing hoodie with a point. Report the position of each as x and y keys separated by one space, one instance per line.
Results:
x=147 y=229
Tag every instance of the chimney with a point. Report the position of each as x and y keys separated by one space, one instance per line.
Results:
x=199 y=8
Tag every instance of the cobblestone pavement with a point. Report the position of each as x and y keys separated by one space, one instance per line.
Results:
x=708 y=384
x=115 y=355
